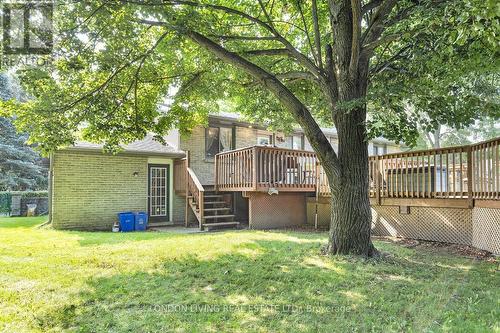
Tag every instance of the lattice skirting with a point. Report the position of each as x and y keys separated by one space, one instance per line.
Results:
x=486 y=229
x=452 y=225
x=276 y=211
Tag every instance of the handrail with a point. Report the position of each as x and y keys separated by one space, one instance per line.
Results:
x=262 y=168
x=415 y=152
x=196 y=191
x=195 y=180
x=462 y=172
x=485 y=170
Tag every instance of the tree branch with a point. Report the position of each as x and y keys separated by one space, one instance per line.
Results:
x=317 y=36
x=267 y=52
x=380 y=67
x=381 y=41
x=291 y=76
x=306 y=32
x=356 y=36
x=370 y=6
x=226 y=37
x=330 y=86
x=296 y=75
x=301 y=58
x=301 y=114
x=376 y=25
x=266 y=14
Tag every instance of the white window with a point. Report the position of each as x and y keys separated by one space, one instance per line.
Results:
x=218 y=139
x=290 y=141
x=379 y=149
x=264 y=140
x=297 y=142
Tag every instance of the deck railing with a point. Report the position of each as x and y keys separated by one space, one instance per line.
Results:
x=262 y=168
x=195 y=191
x=436 y=173
x=485 y=170
x=465 y=172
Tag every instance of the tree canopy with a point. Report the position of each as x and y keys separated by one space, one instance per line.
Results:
x=117 y=60
x=21 y=167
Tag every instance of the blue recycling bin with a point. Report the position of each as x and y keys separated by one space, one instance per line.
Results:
x=141 y=221
x=127 y=221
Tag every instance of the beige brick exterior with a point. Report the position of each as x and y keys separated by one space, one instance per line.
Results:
x=89 y=189
x=195 y=144
x=245 y=137
x=178 y=209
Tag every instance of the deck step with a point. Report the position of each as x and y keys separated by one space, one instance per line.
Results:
x=217 y=216
x=214 y=196
x=216 y=209
x=219 y=224
x=214 y=202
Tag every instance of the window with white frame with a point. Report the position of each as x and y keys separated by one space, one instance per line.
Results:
x=263 y=140
x=379 y=149
x=218 y=139
x=290 y=141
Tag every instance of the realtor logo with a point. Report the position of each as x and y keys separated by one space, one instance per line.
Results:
x=27 y=28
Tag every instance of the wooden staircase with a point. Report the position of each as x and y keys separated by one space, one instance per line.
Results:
x=210 y=208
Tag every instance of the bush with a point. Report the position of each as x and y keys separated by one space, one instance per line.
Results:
x=31 y=194
x=5 y=202
x=6 y=198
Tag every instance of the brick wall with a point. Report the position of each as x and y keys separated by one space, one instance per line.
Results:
x=195 y=144
x=178 y=209
x=245 y=137
x=90 y=189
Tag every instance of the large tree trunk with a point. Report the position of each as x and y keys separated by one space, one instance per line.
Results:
x=350 y=227
x=347 y=172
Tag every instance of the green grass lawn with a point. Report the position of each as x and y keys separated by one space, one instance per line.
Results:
x=235 y=281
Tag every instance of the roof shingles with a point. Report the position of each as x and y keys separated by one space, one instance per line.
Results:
x=148 y=145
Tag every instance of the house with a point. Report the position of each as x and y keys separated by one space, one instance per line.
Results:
x=232 y=172
x=89 y=187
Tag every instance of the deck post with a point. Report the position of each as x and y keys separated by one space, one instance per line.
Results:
x=202 y=207
x=470 y=184
x=254 y=168
x=216 y=173
x=377 y=179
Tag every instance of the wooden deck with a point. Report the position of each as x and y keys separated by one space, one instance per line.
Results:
x=460 y=174
x=263 y=169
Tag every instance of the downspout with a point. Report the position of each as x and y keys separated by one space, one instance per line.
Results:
x=51 y=171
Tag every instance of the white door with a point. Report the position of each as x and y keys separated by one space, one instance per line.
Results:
x=158 y=202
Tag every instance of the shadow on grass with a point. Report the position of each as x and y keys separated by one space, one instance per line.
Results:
x=108 y=238
x=266 y=285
